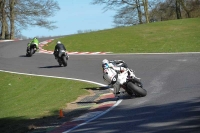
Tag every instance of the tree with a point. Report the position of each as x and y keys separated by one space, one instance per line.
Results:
x=121 y=5
x=190 y=6
x=178 y=9
x=23 y=13
x=125 y=17
x=3 y=18
x=170 y=9
x=165 y=10
x=12 y=19
x=187 y=10
x=145 y=3
x=35 y=13
x=137 y=4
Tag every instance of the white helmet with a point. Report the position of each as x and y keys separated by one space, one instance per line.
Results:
x=105 y=63
x=58 y=42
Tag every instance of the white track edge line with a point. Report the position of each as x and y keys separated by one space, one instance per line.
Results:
x=109 y=109
x=84 y=123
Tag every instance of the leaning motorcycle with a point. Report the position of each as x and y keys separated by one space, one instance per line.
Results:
x=132 y=85
x=129 y=83
x=31 y=50
x=62 y=58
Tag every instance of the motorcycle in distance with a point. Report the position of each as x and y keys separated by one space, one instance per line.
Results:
x=129 y=83
x=62 y=58
x=31 y=50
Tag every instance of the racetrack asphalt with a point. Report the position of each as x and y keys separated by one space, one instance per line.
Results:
x=96 y=105
x=171 y=80
x=88 y=108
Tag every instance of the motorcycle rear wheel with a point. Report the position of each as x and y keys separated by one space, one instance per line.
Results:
x=129 y=92
x=27 y=54
x=138 y=91
x=64 y=61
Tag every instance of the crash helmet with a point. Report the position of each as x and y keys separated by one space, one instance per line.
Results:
x=105 y=63
x=58 y=42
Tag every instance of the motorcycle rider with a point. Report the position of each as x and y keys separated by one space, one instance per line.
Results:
x=113 y=73
x=34 y=41
x=119 y=63
x=59 y=46
x=117 y=68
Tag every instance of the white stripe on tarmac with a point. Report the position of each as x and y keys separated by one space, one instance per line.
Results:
x=117 y=103
x=102 y=113
x=55 y=77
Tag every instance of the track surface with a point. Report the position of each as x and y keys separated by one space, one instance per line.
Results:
x=171 y=80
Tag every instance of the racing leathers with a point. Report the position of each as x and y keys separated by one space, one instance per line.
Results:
x=115 y=73
x=119 y=63
x=114 y=76
x=57 y=49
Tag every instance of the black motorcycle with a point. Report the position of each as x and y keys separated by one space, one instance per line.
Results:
x=62 y=58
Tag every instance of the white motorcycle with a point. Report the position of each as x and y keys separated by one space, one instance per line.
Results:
x=128 y=81
x=132 y=85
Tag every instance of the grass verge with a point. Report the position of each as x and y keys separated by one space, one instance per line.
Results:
x=160 y=37
x=26 y=98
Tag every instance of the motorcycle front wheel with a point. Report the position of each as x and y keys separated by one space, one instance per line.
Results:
x=31 y=52
x=138 y=91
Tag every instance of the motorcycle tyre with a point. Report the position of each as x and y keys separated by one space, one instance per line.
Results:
x=64 y=61
x=129 y=91
x=31 y=52
x=27 y=55
x=59 y=62
x=138 y=91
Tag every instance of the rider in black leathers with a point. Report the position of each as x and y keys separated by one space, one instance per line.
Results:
x=59 y=46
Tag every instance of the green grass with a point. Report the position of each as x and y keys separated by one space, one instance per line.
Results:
x=30 y=97
x=166 y=36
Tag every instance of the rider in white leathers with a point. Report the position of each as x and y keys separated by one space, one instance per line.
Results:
x=114 y=74
x=111 y=74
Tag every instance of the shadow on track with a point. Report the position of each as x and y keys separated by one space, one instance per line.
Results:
x=56 y=66
x=97 y=88
x=22 y=56
x=179 y=117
